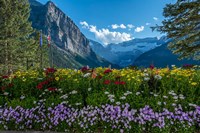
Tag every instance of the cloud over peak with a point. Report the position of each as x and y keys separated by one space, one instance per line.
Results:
x=139 y=29
x=116 y=26
x=155 y=18
x=106 y=36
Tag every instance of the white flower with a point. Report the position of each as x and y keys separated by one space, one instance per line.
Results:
x=5 y=93
x=155 y=95
x=159 y=103
x=175 y=97
x=106 y=92
x=64 y=102
x=111 y=96
x=112 y=100
x=129 y=92
x=34 y=102
x=64 y=96
x=123 y=98
x=22 y=97
x=173 y=104
x=73 y=92
x=158 y=77
x=137 y=93
x=151 y=93
x=173 y=65
x=126 y=94
x=146 y=74
x=165 y=97
x=89 y=89
x=193 y=105
x=118 y=103
x=146 y=79
x=77 y=104
x=145 y=70
x=86 y=75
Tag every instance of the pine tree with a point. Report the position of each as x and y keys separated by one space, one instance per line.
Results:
x=182 y=25
x=16 y=44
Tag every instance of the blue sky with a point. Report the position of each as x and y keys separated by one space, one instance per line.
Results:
x=114 y=21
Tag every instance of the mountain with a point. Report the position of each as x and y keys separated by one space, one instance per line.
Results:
x=125 y=53
x=70 y=47
x=161 y=57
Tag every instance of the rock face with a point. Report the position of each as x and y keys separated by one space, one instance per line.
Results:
x=124 y=54
x=73 y=49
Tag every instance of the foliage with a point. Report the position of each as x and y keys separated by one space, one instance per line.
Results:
x=102 y=100
x=182 y=25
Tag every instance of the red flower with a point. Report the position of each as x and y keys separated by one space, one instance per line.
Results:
x=52 y=89
x=122 y=83
x=10 y=85
x=3 y=88
x=85 y=68
x=106 y=82
x=5 y=77
x=151 y=67
x=50 y=71
x=39 y=86
x=107 y=71
x=117 y=82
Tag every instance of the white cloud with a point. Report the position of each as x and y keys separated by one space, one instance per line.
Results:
x=148 y=23
x=116 y=26
x=130 y=26
x=139 y=29
x=84 y=24
x=155 y=18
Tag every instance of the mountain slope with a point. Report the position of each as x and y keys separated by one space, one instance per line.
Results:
x=72 y=47
x=125 y=53
x=161 y=57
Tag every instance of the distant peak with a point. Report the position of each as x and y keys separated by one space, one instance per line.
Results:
x=50 y=3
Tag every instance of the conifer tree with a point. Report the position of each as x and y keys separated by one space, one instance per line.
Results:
x=182 y=25
x=16 y=44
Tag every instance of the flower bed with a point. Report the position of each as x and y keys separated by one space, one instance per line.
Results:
x=102 y=100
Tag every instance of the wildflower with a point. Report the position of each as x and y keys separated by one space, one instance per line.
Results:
x=155 y=95
x=159 y=103
x=112 y=100
x=146 y=79
x=106 y=82
x=86 y=75
x=85 y=68
x=5 y=93
x=64 y=96
x=52 y=89
x=106 y=92
x=89 y=89
x=165 y=97
x=22 y=97
x=77 y=104
x=111 y=96
x=5 y=77
x=137 y=93
x=39 y=86
x=123 y=98
x=57 y=78
x=118 y=103
x=158 y=77
x=151 y=66
x=107 y=71
x=73 y=92
x=194 y=83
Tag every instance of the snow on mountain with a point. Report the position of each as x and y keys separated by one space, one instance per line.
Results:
x=124 y=54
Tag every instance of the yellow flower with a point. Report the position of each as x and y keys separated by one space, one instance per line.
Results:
x=194 y=83
x=57 y=78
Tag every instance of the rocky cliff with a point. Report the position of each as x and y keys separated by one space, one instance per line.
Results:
x=72 y=47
